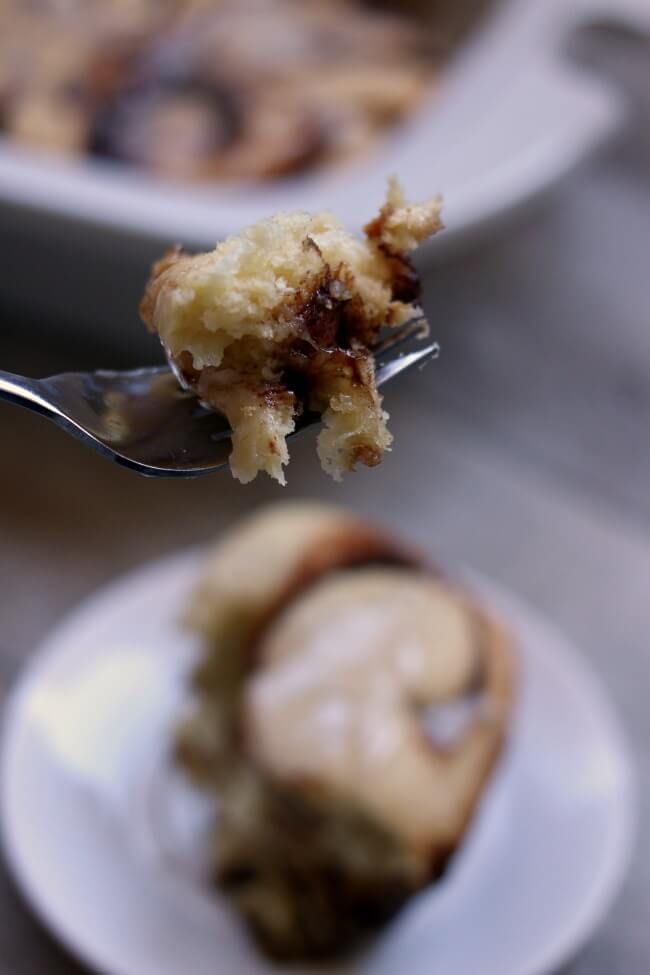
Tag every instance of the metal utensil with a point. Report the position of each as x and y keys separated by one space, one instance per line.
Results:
x=144 y=420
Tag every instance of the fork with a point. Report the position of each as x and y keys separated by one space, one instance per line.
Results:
x=144 y=420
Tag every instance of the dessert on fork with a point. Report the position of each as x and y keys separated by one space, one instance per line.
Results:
x=282 y=319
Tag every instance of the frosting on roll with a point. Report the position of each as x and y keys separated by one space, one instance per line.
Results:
x=342 y=677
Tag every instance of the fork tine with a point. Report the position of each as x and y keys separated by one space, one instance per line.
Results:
x=413 y=328
x=402 y=363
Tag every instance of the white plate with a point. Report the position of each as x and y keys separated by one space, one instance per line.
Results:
x=105 y=839
x=512 y=116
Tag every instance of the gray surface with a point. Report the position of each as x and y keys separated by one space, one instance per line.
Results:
x=523 y=452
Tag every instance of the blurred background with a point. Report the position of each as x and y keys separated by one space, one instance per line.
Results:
x=521 y=452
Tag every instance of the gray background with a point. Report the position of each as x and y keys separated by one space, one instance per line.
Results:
x=523 y=452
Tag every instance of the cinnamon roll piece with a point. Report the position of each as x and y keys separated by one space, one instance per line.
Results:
x=350 y=707
x=282 y=318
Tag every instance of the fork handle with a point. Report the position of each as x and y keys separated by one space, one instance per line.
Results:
x=24 y=392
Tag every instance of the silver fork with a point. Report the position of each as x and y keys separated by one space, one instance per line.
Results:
x=142 y=419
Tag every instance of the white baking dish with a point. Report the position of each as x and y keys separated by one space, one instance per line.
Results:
x=512 y=116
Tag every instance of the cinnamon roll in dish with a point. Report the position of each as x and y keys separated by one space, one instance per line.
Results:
x=350 y=706
x=283 y=318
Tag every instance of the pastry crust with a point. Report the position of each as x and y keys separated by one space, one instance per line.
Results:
x=309 y=721
x=282 y=318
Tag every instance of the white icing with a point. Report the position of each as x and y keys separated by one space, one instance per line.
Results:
x=346 y=671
